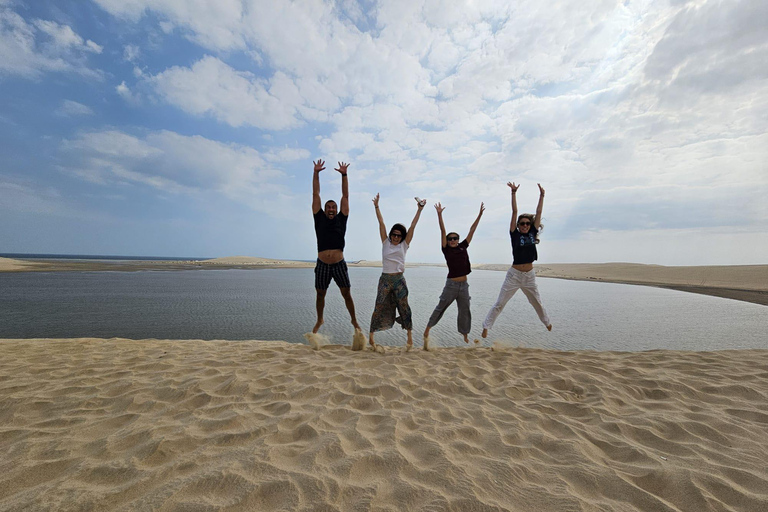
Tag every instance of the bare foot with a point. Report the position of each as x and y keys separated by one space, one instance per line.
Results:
x=549 y=327
x=466 y=339
x=426 y=343
x=356 y=326
x=317 y=326
x=485 y=333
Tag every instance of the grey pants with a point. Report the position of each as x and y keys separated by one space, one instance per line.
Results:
x=458 y=291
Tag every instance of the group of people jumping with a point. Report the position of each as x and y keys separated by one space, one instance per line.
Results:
x=392 y=293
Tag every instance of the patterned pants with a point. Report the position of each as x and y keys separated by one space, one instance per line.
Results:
x=391 y=296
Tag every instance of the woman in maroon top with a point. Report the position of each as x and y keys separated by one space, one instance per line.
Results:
x=456 y=286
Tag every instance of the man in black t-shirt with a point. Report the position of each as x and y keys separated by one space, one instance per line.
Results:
x=330 y=228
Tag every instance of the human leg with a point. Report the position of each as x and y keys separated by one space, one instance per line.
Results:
x=447 y=297
x=322 y=280
x=383 y=316
x=400 y=295
x=508 y=289
x=531 y=290
x=464 y=319
x=340 y=275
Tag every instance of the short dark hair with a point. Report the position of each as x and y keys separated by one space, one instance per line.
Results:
x=452 y=233
x=401 y=229
x=330 y=201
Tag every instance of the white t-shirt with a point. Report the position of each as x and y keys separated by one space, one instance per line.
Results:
x=393 y=257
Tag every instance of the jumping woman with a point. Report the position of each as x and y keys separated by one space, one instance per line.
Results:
x=520 y=276
x=456 y=286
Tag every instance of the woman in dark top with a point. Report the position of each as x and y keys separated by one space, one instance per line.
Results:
x=456 y=286
x=520 y=275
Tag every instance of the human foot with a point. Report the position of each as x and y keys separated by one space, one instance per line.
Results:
x=549 y=327
x=317 y=326
x=485 y=333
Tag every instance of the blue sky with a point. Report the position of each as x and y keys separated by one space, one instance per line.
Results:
x=188 y=128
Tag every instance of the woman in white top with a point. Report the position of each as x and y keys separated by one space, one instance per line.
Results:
x=392 y=294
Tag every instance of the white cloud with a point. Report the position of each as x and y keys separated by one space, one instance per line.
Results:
x=211 y=87
x=125 y=92
x=69 y=108
x=32 y=49
x=175 y=163
x=131 y=52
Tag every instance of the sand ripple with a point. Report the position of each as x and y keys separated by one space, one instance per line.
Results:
x=190 y=425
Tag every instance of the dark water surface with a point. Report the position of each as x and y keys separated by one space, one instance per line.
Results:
x=279 y=304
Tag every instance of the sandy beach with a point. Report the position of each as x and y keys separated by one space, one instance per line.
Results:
x=117 y=424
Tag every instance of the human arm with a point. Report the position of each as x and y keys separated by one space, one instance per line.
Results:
x=474 y=225
x=344 y=188
x=513 y=222
x=419 y=206
x=440 y=209
x=317 y=204
x=539 y=207
x=382 y=227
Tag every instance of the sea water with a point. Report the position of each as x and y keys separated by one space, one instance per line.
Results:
x=279 y=304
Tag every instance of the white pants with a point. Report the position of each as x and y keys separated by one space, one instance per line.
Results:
x=514 y=281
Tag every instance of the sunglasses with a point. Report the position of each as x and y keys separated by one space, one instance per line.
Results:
x=453 y=239
x=398 y=235
x=526 y=223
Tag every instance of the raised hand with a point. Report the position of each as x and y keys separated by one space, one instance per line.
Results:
x=376 y=201
x=342 y=168
x=319 y=165
x=420 y=202
x=541 y=190
x=482 y=209
x=513 y=186
x=439 y=207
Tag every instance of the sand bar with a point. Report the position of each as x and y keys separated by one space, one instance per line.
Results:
x=742 y=282
x=117 y=424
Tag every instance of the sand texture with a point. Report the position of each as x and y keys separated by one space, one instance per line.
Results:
x=259 y=426
x=11 y=265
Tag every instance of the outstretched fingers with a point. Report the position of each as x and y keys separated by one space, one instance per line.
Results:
x=319 y=165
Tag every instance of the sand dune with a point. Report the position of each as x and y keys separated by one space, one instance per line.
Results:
x=197 y=425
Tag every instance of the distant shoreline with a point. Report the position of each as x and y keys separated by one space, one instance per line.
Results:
x=748 y=283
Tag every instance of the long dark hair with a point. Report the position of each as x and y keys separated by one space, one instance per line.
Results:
x=401 y=229
x=531 y=217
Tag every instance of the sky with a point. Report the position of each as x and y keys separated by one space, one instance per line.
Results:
x=188 y=128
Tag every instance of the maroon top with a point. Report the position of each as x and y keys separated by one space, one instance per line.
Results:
x=457 y=259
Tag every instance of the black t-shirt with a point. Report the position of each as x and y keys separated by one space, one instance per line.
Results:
x=524 y=246
x=457 y=259
x=330 y=232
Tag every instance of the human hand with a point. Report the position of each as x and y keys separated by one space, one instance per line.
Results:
x=342 y=168
x=482 y=209
x=319 y=165
x=513 y=186
x=439 y=207
x=376 y=201
x=541 y=190
x=420 y=202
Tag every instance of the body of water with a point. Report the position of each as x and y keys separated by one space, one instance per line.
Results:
x=279 y=304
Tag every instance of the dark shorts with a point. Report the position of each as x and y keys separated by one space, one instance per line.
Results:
x=325 y=272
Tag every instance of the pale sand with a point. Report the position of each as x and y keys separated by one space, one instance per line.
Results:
x=195 y=425
x=741 y=282
x=11 y=265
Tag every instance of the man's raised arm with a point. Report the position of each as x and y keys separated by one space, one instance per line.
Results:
x=317 y=203
x=344 y=188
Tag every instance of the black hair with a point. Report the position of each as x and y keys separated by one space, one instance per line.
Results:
x=401 y=229
x=452 y=233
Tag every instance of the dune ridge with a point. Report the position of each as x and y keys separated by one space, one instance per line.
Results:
x=91 y=424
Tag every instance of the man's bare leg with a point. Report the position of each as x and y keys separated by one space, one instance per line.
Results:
x=350 y=306
x=320 y=306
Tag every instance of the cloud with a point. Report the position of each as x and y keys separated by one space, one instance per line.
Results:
x=69 y=108
x=31 y=49
x=125 y=92
x=211 y=87
x=131 y=52
x=172 y=163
